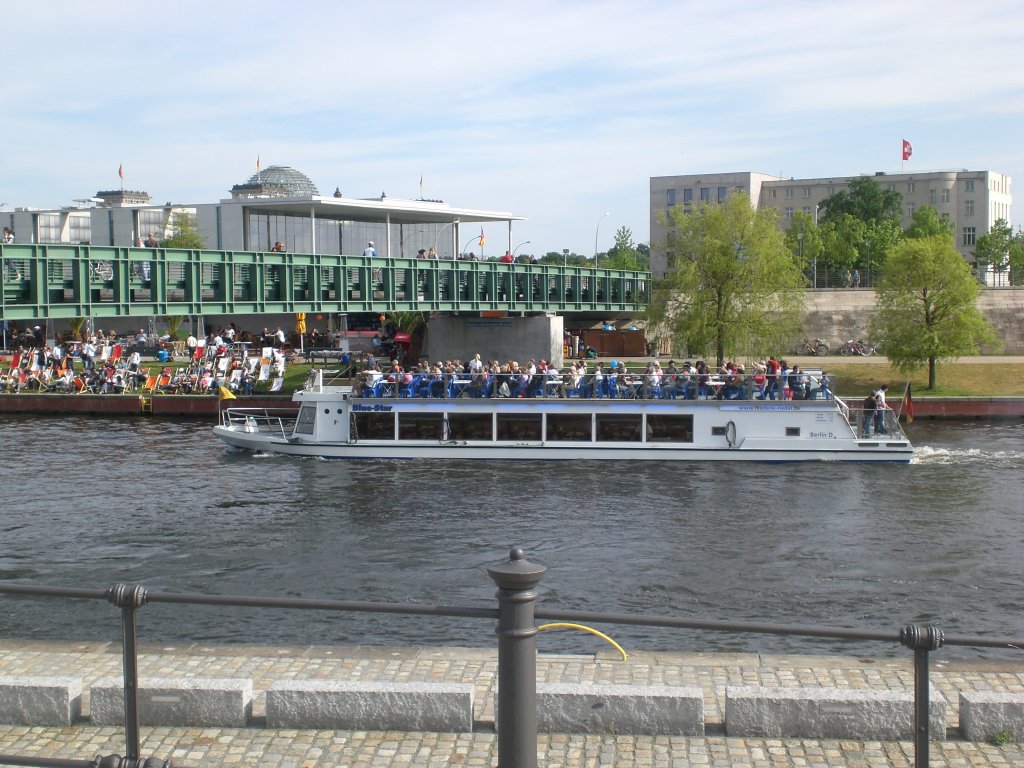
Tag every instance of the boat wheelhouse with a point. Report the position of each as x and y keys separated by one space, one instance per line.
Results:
x=333 y=422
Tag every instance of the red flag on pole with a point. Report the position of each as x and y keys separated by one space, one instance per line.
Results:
x=483 y=239
x=908 y=404
x=907 y=150
x=120 y=171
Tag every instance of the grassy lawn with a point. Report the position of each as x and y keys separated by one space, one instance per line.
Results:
x=952 y=379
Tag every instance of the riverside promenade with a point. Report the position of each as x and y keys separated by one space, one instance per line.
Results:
x=711 y=672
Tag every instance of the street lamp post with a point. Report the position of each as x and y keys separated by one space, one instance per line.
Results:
x=463 y=249
x=525 y=242
x=596 y=230
x=438 y=235
x=800 y=250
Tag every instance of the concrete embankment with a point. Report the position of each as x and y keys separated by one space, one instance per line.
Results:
x=711 y=674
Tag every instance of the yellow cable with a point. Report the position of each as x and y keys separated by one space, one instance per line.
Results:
x=591 y=630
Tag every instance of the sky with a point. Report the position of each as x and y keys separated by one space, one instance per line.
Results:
x=556 y=111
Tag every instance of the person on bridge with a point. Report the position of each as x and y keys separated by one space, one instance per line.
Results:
x=369 y=251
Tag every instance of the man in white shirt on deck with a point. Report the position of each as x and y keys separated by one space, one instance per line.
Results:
x=880 y=407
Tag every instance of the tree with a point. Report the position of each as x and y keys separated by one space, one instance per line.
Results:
x=624 y=254
x=926 y=222
x=733 y=286
x=174 y=323
x=1001 y=250
x=841 y=243
x=184 y=233
x=864 y=200
x=926 y=308
x=805 y=241
x=879 y=212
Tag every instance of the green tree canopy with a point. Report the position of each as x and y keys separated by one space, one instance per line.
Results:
x=926 y=222
x=624 y=254
x=864 y=200
x=804 y=239
x=1002 y=250
x=184 y=233
x=733 y=287
x=926 y=308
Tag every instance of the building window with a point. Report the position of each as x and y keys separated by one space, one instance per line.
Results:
x=789 y=214
x=892 y=187
x=48 y=228
x=969 y=235
x=806 y=209
x=807 y=191
x=933 y=196
x=789 y=192
x=945 y=195
x=687 y=196
x=968 y=207
x=911 y=186
x=831 y=189
x=722 y=191
x=773 y=193
x=969 y=185
x=671 y=198
x=737 y=189
x=910 y=209
x=705 y=194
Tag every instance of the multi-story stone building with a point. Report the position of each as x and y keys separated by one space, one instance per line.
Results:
x=972 y=200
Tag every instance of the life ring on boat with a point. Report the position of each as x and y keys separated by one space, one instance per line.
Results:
x=730 y=434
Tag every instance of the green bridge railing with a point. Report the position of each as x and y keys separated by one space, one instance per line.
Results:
x=63 y=281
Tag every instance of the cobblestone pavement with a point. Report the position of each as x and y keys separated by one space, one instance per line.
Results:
x=258 y=746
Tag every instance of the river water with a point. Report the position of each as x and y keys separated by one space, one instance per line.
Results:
x=92 y=502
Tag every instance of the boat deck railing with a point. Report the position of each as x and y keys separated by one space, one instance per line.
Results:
x=278 y=422
x=623 y=386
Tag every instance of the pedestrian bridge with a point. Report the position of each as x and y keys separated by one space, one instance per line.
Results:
x=65 y=281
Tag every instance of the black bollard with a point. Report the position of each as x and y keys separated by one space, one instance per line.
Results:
x=517 y=660
x=129 y=598
x=921 y=640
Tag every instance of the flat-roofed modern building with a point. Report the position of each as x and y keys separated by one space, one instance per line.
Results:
x=972 y=200
x=279 y=204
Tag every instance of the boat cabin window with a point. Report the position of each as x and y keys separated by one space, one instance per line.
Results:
x=421 y=426
x=792 y=431
x=669 y=429
x=569 y=426
x=469 y=426
x=306 y=420
x=718 y=431
x=374 y=426
x=619 y=428
x=519 y=426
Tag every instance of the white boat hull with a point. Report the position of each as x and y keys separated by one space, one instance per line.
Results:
x=332 y=423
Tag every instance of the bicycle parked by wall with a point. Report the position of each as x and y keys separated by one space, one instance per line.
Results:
x=858 y=347
x=816 y=348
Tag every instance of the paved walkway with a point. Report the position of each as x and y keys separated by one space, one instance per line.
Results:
x=257 y=746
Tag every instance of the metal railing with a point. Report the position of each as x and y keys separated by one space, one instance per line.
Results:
x=517 y=580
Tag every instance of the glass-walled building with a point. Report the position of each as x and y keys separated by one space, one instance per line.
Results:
x=278 y=204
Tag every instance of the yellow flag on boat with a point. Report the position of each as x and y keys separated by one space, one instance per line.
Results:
x=226 y=394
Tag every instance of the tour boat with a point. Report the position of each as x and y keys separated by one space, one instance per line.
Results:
x=336 y=421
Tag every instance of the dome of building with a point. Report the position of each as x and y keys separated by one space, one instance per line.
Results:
x=280 y=180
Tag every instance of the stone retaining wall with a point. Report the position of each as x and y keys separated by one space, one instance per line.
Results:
x=843 y=313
